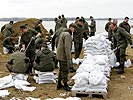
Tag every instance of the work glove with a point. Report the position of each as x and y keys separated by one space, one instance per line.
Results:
x=33 y=38
x=22 y=50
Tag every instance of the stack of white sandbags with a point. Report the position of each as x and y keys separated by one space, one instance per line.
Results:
x=98 y=45
x=19 y=81
x=93 y=72
x=44 y=77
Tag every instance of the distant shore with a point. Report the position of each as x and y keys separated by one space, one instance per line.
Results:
x=52 y=19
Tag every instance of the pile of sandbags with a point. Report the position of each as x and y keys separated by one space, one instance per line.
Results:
x=19 y=81
x=92 y=75
x=98 y=45
x=44 y=77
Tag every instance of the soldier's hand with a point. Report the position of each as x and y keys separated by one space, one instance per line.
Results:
x=22 y=50
x=33 y=38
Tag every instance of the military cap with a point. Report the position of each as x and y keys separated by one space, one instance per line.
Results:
x=73 y=25
x=23 y=27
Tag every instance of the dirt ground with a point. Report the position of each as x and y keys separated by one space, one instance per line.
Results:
x=117 y=89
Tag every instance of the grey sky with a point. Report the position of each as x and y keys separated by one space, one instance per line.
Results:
x=70 y=8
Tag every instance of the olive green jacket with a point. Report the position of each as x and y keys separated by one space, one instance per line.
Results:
x=8 y=43
x=126 y=26
x=64 y=47
x=122 y=37
x=78 y=35
x=92 y=26
x=44 y=60
x=26 y=37
x=18 y=62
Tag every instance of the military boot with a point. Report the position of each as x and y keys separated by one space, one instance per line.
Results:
x=72 y=70
x=121 y=69
x=59 y=85
x=66 y=87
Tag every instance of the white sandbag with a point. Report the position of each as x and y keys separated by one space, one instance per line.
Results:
x=6 y=82
x=80 y=83
x=79 y=88
x=4 y=93
x=19 y=76
x=31 y=98
x=73 y=98
x=26 y=88
x=84 y=76
x=112 y=60
x=96 y=77
x=128 y=63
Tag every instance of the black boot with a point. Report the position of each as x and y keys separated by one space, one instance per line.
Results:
x=72 y=70
x=66 y=87
x=59 y=85
x=121 y=69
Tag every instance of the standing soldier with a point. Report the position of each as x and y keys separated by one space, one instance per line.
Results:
x=107 y=29
x=64 y=21
x=85 y=28
x=8 y=29
x=92 y=26
x=122 y=38
x=28 y=43
x=57 y=24
x=125 y=24
x=64 y=57
x=107 y=26
x=78 y=38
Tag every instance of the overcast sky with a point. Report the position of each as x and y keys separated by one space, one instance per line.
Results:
x=70 y=8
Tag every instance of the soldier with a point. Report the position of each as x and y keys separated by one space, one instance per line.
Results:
x=64 y=56
x=8 y=29
x=85 y=28
x=8 y=45
x=125 y=24
x=92 y=26
x=122 y=38
x=18 y=62
x=28 y=43
x=77 y=19
x=78 y=38
x=44 y=60
x=38 y=26
x=64 y=21
x=107 y=26
x=57 y=24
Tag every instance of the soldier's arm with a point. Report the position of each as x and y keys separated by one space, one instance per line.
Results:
x=126 y=35
x=92 y=24
x=3 y=27
x=68 y=44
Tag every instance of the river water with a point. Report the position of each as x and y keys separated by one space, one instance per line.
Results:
x=100 y=24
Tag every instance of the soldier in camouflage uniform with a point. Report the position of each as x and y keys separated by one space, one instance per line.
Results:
x=125 y=24
x=18 y=62
x=58 y=24
x=28 y=36
x=44 y=60
x=92 y=26
x=8 y=29
x=122 y=38
x=64 y=21
x=78 y=38
x=8 y=45
x=85 y=28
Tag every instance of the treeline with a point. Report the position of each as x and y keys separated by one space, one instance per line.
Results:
x=52 y=19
